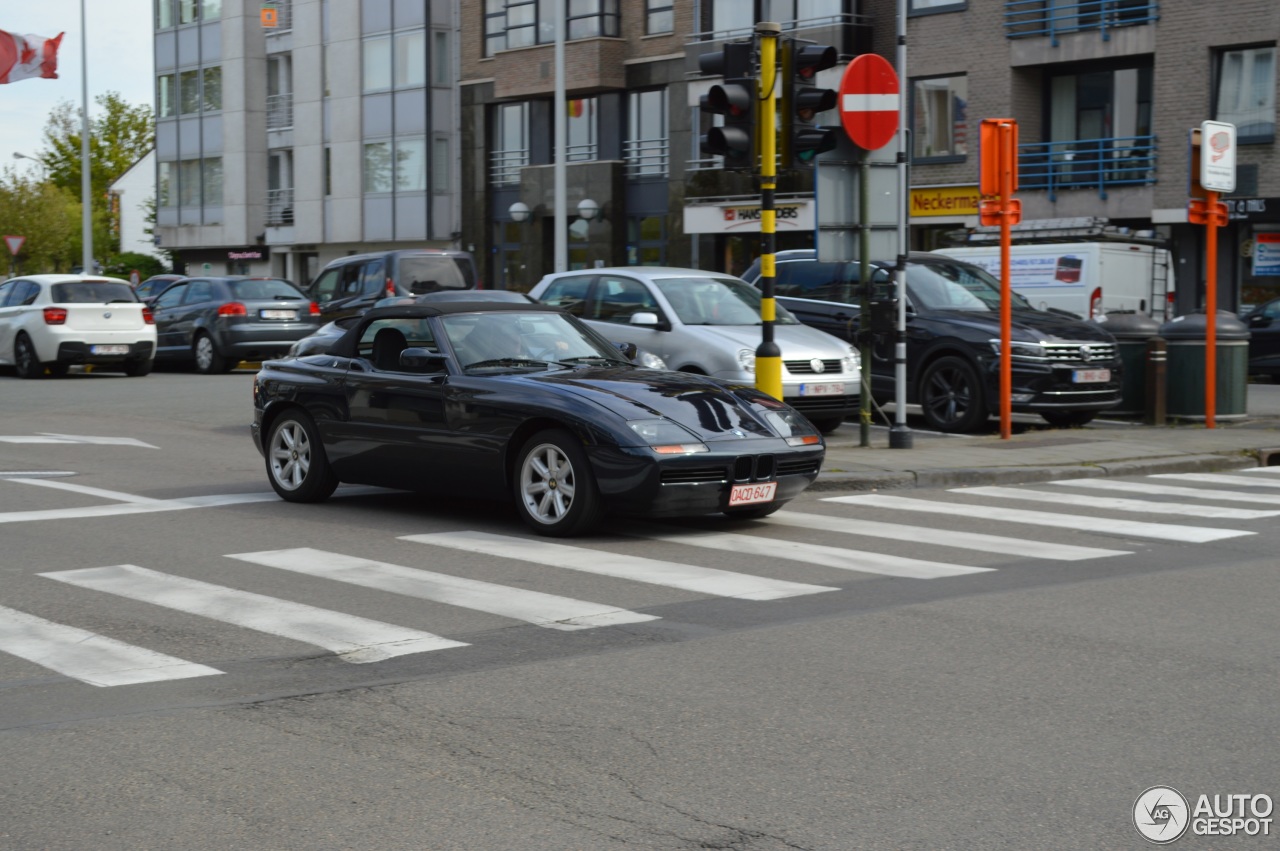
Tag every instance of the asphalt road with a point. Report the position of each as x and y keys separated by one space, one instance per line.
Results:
x=801 y=683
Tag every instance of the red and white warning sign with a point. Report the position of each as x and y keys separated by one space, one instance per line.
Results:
x=14 y=243
x=869 y=100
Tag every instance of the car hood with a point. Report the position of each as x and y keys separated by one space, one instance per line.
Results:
x=796 y=341
x=709 y=408
x=1027 y=325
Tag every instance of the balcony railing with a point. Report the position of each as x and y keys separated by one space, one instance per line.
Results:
x=504 y=166
x=647 y=157
x=279 y=207
x=280 y=111
x=284 y=16
x=1087 y=164
x=1052 y=18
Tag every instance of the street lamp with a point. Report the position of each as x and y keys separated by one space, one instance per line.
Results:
x=18 y=155
x=519 y=212
x=588 y=209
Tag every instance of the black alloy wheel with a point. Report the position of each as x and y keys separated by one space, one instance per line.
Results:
x=951 y=396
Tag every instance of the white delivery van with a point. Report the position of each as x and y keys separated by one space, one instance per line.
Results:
x=1088 y=279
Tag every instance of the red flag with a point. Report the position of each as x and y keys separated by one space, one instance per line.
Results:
x=23 y=56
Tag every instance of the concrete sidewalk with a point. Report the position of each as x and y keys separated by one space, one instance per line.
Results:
x=1036 y=452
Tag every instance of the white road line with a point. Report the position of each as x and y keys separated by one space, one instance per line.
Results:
x=119 y=496
x=1218 y=479
x=49 y=437
x=131 y=504
x=1271 y=470
x=837 y=557
x=1161 y=531
x=535 y=607
x=86 y=656
x=1171 y=490
x=942 y=537
x=687 y=577
x=1104 y=503
x=353 y=638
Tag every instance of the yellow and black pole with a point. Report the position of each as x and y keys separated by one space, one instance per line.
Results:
x=768 y=355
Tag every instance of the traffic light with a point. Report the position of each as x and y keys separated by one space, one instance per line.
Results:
x=799 y=140
x=735 y=99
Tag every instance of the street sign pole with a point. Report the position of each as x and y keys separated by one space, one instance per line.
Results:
x=1216 y=173
x=864 y=277
x=997 y=181
x=768 y=355
x=900 y=434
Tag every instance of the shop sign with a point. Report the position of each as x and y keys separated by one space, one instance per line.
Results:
x=1266 y=255
x=945 y=201
x=788 y=217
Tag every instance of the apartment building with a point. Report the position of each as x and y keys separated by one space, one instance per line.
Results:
x=292 y=132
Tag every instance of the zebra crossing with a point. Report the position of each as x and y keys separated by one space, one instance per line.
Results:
x=769 y=545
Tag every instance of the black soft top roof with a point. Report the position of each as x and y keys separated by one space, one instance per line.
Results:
x=346 y=346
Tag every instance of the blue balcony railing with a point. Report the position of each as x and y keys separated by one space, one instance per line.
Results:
x=1087 y=164
x=1052 y=18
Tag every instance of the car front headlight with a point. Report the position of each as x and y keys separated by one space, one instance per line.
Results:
x=650 y=361
x=667 y=438
x=747 y=360
x=1034 y=351
x=852 y=361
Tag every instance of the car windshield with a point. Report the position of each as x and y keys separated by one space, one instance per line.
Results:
x=938 y=285
x=424 y=274
x=91 y=292
x=266 y=288
x=716 y=301
x=514 y=339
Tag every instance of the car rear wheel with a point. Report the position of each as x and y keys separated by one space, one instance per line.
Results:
x=25 y=360
x=138 y=368
x=296 y=463
x=555 y=490
x=208 y=361
x=1068 y=419
x=951 y=396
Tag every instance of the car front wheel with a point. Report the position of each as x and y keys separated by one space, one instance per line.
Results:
x=296 y=463
x=25 y=360
x=951 y=396
x=555 y=490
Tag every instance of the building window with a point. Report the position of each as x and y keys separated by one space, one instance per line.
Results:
x=411 y=164
x=647 y=241
x=1246 y=93
x=510 y=145
x=188 y=11
x=939 y=125
x=211 y=80
x=659 y=17
x=410 y=57
x=581 y=130
x=164 y=184
x=189 y=92
x=930 y=7
x=510 y=24
x=164 y=14
x=189 y=183
x=441 y=62
x=377 y=63
x=441 y=165
x=165 y=96
x=647 y=144
x=211 y=10
x=211 y=181
x=377 y=167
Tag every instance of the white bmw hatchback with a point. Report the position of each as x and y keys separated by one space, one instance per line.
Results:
x=50 y=322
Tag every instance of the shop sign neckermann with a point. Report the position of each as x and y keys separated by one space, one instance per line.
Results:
x=745 y=218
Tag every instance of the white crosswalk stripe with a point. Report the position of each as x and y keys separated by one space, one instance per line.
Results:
x=1103 y=503
x=687 y=577
x=1107 y=525
x=547 y=610
x=837 y=557
x=941 y=537
x=1220 y=479
x=354 y=639
x=1171 y=490
x=1273 y=470
x=86 y=656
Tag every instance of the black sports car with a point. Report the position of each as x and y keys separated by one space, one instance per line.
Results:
x=498 y=400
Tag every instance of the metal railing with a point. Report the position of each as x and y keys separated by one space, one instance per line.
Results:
x=504 y=166
x=1087 y=164
x=279 y=207
x=284 y=16
x=647 y=157
x=1052 y=18
x=280 y=111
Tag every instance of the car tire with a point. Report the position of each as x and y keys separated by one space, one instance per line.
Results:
x=296 y=463
x=827 y=425
x=208 y=360
x=951 y=396
x=1068 y=419
x=554 y=486
x=25 y=360
x=138 y=368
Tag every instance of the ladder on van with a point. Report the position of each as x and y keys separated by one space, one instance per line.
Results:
x=1161 y=292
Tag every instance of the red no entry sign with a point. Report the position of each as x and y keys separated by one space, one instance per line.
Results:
x=869 y=99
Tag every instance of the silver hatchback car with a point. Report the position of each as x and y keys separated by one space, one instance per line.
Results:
x=709 y=323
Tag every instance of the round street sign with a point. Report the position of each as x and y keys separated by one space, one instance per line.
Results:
x=869 y=101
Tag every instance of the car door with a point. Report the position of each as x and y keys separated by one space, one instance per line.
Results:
x=165 y=310
x=615 y=299
x=199 y=308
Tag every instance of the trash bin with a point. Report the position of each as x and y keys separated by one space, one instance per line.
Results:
x=1185 y=376
x=1132 y=330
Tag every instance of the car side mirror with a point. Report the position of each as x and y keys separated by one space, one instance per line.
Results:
x=1260 y=320
x=629 y=350
x=644 y=317
x=415 y=359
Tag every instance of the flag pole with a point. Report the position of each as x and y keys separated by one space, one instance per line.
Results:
x=86 y=218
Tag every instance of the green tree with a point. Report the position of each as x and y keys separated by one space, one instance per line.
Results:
x=48 y=216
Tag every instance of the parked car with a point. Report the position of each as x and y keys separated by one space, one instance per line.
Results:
x=156 y=284
x=524 y=402
x=1264 y=338
x=351 y=285
x=1064 y=369
x=50 y=322
x=216 y=322
x=709 y=323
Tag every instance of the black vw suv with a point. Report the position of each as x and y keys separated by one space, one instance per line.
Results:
x=1064 y=369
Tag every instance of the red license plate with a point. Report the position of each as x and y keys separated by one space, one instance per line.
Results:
x=748 y=494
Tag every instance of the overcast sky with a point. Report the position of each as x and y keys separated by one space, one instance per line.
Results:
x=120 y=60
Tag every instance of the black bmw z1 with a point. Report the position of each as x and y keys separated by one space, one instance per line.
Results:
x=524 y=402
